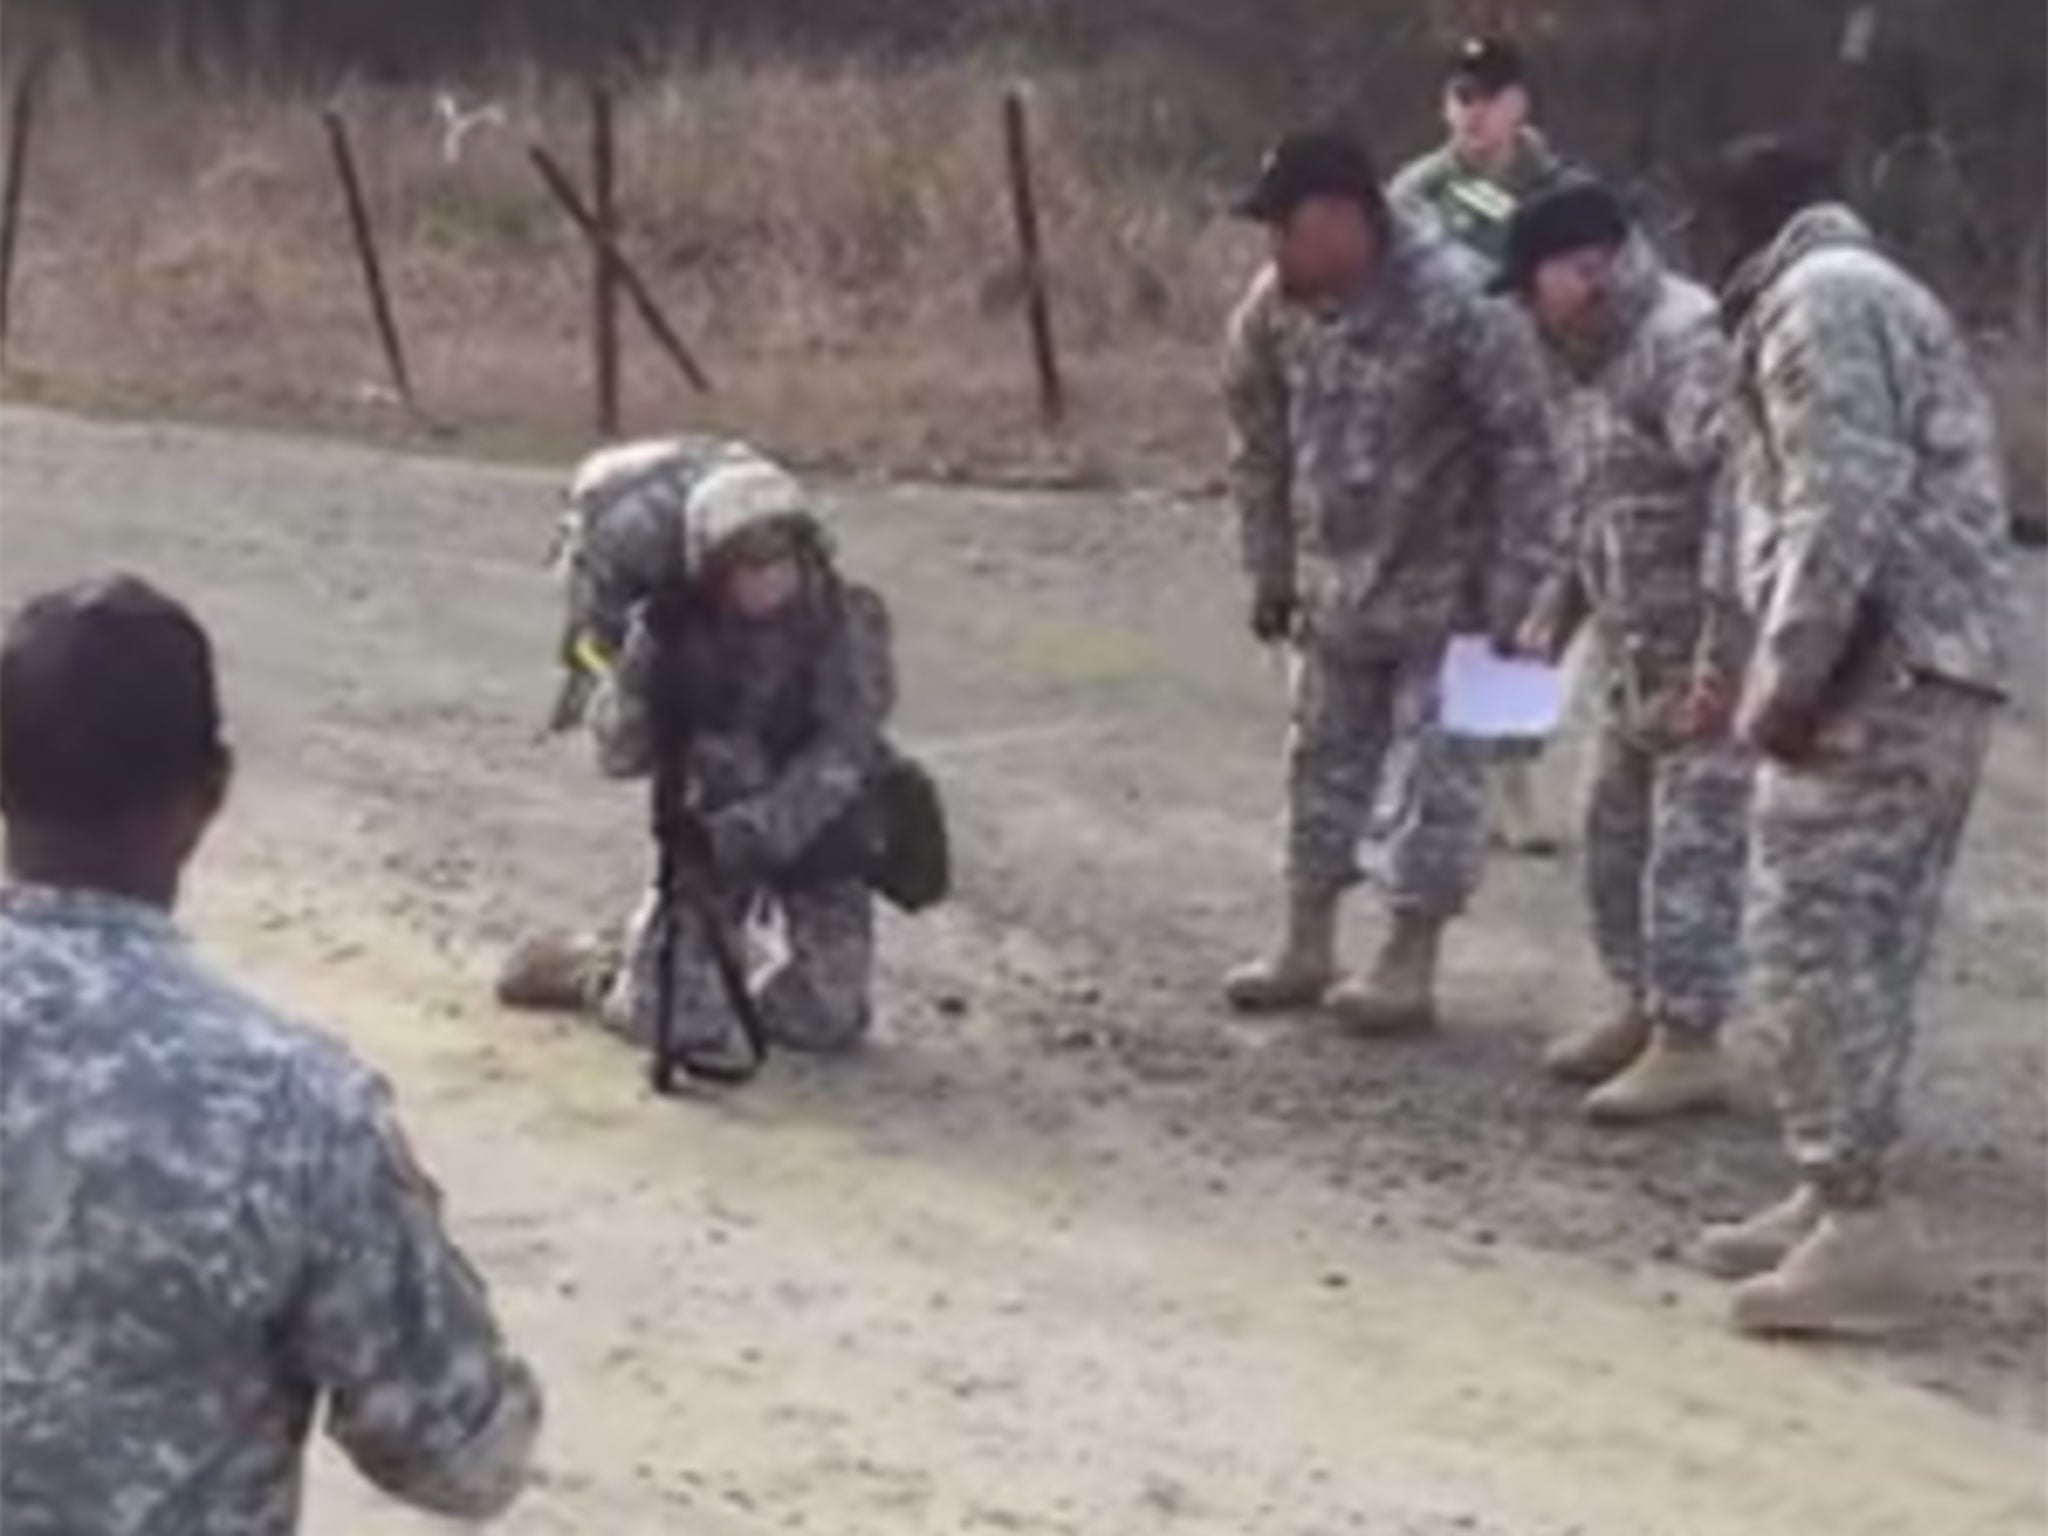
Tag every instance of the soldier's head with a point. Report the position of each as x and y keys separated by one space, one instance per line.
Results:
x=1562 y=253
x=1319 y=196
x=1486 y=99
x=1756 y=186
x=756 y=547
x=112 y=764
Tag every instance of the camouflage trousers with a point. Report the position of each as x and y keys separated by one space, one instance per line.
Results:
x=1360 y=786
x=1849 y=859
x=1664 y=831
x=816 y=1000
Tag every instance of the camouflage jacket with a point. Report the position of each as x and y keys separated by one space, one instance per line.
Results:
x=1440 y=192
x=1868 y=469
x=782 y=722
x=622 y=528
x=210 y=1226
x=1390 y=457
x=1639 y=408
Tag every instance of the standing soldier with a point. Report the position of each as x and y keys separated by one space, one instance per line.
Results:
x=1868 y=475
x=1494 y=160
x=210 y=1226
x=1468 y=190
x=1389 y=449
x=1639 y=376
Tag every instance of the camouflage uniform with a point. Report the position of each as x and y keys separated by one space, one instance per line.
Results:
x=1390 y=462
x=1873 y=559
x=212 y=1225
x=1468 y=206
x=1639 y=409
x=789 y=718
x=785 y=734
x=1473 y=209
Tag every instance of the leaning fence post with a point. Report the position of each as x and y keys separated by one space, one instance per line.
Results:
x=604 y=289
x=366 y=251
x=558 y=183
x=1031 y=261
x=21 y=115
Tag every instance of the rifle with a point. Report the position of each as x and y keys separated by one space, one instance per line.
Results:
x=682 y=863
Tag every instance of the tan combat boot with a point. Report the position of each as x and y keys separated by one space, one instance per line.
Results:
x=1855 y=1274
x=1676 y=1075
x=1516 y=825
x=1736 y=1250
x=1596 y=1051
x=557 y=970
x=1398 y=995
x=1300 y=971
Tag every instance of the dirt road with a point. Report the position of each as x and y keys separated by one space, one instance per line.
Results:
x=1068 y=1251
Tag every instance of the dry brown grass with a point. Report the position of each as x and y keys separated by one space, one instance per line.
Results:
x=835 y=242
x=836 y=245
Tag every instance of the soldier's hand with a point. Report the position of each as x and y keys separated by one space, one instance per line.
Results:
x=1707 y=709
x=1779 y=728
x=1509 y=613
x=1516 y=642
x=1538 y=638
x=1273 y=616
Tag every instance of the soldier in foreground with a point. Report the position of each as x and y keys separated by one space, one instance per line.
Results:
x=1468 y=191
x=212 y=1227
x=729 y=653
x=1869 y=476
x=1390 y=461
x=1639 y=375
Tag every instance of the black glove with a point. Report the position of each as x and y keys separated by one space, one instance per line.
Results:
x=737 y=849
x=1273 y=615
x=687 y=837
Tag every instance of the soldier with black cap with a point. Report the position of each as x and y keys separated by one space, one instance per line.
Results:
x=1493 y=160
x=1469 y=189
x=1390 y=459
x=1639 y=376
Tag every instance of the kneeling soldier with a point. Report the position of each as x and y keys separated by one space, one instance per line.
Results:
x=753 y=684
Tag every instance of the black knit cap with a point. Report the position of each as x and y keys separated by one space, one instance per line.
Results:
x=1759 y=182
x=1574 y=217
x=1313 y=163
x=1487 y=65
x=108 y=704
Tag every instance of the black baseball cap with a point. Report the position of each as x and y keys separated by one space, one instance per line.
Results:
x=1487 y=65
x=1758 y=182
x=1310 y=164
x=1580 y=214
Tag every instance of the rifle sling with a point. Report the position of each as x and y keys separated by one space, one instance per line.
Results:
x=672 y=892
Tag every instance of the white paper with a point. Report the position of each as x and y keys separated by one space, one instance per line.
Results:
x=766 y=937
x=1488 y=695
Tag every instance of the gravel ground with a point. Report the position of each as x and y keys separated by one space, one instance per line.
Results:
x=1069 y=1250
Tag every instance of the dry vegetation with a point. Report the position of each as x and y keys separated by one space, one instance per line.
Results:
x=834 y=240
x=836 y=245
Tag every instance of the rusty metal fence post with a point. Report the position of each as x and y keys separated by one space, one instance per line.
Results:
x=564 y=191
x=1031 y=260
x=366 y=252
x=21 y=117
x=604 y=287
